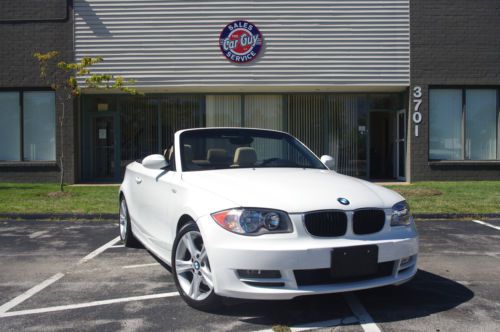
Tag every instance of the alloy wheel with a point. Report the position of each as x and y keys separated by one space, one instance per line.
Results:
x=123 y=219
x=192 y=267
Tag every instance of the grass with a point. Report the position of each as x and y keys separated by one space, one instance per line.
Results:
x=46 y=198
x=452 y=197
x=281 y=328
x=424 y=197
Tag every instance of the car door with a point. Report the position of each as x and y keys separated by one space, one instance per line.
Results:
x=150 y=197
x=164 y=222
x=159 y=201
x=135 y=195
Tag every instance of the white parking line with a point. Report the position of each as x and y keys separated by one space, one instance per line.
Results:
x=98 y=250
x=44 y=284
x=29 y=293
x=86 y=304
x=139 y=265
x=319 y=325
x=486 y=224
x=37 y=234
x=365 y=320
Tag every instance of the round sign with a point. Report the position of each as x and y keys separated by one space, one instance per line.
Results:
x=240 y=41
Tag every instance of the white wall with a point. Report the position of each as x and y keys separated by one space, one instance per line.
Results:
x=313 y=45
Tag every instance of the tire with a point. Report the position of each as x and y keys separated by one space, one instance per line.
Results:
x=191 y=270
x=126 y=234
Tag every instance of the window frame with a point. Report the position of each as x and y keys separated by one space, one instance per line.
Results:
x=464 y=153
x=21 y=92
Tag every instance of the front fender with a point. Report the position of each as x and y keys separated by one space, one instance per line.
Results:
x=197 y=203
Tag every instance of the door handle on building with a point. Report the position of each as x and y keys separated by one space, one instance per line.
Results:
x=138 y=180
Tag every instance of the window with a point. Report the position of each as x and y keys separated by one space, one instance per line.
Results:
x=480 y=124
x=223 y=111
x=39 y=126
x=445 y=124
x=253 y=111
x=10 y=130
x=264 y=111
x=223 y=148
x=463 y=124
x=35 y=119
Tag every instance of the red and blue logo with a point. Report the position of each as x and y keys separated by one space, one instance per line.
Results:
x=240 y=41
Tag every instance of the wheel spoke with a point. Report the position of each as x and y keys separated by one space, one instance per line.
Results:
x=189 y=244
x=182 y=266
x=203 y=254
x=207 y=277
x=123 y=219
x=194 y=290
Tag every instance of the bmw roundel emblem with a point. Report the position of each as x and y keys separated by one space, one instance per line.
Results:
x=343 y=201
x=240 y=41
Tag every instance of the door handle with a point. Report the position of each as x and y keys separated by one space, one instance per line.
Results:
x=138 y=180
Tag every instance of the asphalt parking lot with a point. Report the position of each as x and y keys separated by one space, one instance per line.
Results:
x=77 y=275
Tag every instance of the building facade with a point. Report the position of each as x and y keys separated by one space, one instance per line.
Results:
x=30 y=142
x=455 y=63
x=368 y=82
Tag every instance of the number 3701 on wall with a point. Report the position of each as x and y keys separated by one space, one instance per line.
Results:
x=417 y=100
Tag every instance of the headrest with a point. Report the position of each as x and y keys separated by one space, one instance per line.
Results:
x=217 y=156
x=245 y=156
x=188 y=153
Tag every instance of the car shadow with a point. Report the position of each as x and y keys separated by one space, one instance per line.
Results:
x=425 y=295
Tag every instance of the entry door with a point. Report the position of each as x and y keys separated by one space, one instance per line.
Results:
x=401 y=145
x=103 y=149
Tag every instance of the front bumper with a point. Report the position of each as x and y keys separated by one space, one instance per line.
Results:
x=290 y=252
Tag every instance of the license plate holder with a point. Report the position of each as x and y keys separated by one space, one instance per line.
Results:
x=352 y=262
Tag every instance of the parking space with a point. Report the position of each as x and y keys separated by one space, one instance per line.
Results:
x=118 y=288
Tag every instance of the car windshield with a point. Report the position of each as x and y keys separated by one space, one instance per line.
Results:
x=208 y=149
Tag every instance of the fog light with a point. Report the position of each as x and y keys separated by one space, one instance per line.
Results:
x=405 y=260
x=259 y=274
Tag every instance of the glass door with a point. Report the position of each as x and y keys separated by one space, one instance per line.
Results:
x=401 y=145
x=103 y=162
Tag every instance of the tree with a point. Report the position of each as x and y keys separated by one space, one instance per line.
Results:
x=63 y=77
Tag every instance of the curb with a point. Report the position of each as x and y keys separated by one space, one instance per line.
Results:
x=114 y=217
x=60 y=216
x=456 y=215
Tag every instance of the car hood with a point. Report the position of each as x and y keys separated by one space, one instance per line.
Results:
x=293 y=190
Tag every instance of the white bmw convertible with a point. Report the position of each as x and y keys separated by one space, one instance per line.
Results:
x=250 y=213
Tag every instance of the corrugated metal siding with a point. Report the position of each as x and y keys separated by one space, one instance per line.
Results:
x=316 y=43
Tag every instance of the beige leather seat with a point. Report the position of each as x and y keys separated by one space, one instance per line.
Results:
x=217 y=156
x=244 y=157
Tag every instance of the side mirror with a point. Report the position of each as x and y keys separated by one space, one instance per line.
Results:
x=155 y=161
x=328 y=161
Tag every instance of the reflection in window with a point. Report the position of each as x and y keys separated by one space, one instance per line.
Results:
x=445 y=129
x=39 y=125
x=10 y=117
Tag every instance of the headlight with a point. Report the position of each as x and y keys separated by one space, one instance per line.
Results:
x=253 y=221
x=401 y=215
